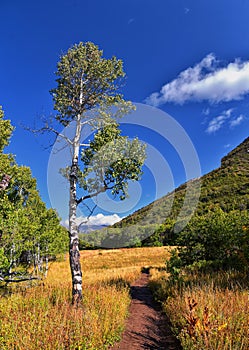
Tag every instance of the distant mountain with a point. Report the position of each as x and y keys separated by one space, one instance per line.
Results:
x=91 y=228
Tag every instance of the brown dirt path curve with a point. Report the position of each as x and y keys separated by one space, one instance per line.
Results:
x=146 y=327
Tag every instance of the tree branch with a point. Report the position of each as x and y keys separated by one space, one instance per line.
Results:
x=88 y=216
x=47 y=128
x=101 y=190
x=19 y=280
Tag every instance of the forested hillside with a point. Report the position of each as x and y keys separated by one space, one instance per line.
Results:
x=226 y=188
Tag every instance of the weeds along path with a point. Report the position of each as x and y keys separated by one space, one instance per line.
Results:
x=146 y=326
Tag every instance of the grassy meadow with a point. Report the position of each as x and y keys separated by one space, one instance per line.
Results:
x=42 y=317
x=208 y=312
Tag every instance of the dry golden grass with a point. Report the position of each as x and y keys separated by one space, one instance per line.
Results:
x=100 y=266
x=211 y=318
x=209 y=312
x=42 y=317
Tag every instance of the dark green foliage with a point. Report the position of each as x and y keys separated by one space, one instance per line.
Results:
x=111 y=237
x=111 y=161
x=174 y=265
x=218 y=240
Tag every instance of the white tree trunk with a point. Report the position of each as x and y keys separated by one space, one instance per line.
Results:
x=46 y=263
x=39 y=259
x=74 y=253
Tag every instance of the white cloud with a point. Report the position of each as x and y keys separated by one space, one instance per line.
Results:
x=206 y=81
x=206 y=111
x=215 y=124
x=101 y=219
x=95 y=220
x=226 y=117
x=237 y=121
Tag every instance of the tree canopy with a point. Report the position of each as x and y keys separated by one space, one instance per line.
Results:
x=86 y=80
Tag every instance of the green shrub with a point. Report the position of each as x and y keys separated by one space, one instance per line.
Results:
x=214 y=241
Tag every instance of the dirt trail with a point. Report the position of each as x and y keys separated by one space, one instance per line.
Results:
x=146 y=327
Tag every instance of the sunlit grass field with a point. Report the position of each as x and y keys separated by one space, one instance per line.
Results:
x=42 y=317
x=208 y=312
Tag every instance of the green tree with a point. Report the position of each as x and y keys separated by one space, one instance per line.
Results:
x=87 y=94
x=27 y=228
x=5 y=130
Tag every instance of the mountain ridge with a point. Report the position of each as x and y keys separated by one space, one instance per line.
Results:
x=216 y=187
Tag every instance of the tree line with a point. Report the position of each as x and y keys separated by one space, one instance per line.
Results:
x=30 y=234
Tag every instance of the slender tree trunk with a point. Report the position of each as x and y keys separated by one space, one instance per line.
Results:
x=39 y=259
x=46 y=263
x=46 y=267
x=74 y=253
x=11 y=260
x=35 y=262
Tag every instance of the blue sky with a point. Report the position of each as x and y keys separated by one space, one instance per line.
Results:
x=189 y=58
